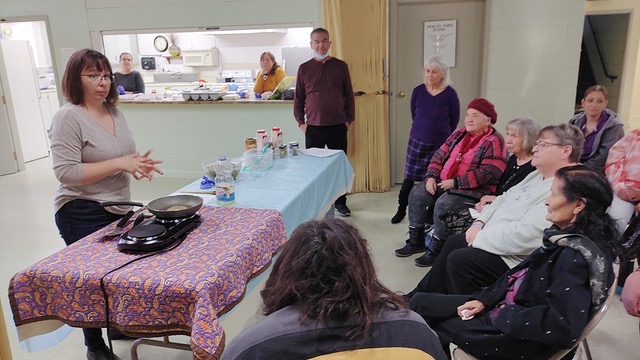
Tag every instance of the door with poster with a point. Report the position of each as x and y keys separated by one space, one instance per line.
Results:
x=417 y=30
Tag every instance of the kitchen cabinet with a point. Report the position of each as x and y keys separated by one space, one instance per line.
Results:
x=117 y=44
x=49 y=104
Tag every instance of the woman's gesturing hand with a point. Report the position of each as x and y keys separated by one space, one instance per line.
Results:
x=141 y=166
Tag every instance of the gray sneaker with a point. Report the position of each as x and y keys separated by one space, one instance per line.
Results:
x=343 y=210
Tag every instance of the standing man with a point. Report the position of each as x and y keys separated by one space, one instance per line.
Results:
x=325 y=95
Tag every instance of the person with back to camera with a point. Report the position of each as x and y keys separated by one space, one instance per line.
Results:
x=467 y=166
x=601 y=127
x=435 y=113
x=270 y=75
x=323 y=300
x=94 y=155
x=509 y=228
x=127 y=77
x=543 y=305
x=324 y=95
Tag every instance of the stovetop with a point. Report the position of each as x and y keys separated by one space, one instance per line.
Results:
x=157 y=233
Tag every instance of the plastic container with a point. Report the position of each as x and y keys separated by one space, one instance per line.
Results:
x=258 y=162
x=225 y=184
x=276 y=137
x=261 y=138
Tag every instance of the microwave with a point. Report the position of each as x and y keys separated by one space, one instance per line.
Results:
x=206 y=57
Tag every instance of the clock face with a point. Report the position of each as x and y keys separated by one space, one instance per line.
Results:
x=161 y=44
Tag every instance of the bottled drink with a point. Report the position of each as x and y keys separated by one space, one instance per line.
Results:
x=225 y=185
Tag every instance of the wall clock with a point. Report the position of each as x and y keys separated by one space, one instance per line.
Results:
x=160 y=43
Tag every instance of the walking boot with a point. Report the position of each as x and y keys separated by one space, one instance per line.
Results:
x=403 y=201
x=430 y=256
x=400 y=214
x=415 y=243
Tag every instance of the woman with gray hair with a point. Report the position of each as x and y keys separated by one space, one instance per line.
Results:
x=435 y=112
x=519 y=140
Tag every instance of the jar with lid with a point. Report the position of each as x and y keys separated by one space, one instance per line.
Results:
x=261 y=139
x=294 y=146
x=225 y=184
x=276 y=137
x=283 y=151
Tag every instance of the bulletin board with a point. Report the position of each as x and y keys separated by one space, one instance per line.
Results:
x=440 y=38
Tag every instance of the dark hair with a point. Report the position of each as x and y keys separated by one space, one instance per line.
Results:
x=273 y=58
x=80 y=61
x=590 y=186
x=567 y=134
x=319 y=30
x=326 y=271
x=593 y=88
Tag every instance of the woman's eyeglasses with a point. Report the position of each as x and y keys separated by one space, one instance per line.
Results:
x=541 y=145
x=97 y=78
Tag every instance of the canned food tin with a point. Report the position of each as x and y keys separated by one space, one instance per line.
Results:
x=283 y=151
x=250 y=143
x=295 y=148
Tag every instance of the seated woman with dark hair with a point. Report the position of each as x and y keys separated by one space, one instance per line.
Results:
x=323 y=299
x=542 y=305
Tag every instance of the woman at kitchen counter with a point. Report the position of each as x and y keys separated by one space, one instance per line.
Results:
x=128 y=78
x=270 y=75
x=93 y=154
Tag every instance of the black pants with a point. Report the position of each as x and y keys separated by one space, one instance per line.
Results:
x=74 y=224
x=460 y=269
x=333 y=137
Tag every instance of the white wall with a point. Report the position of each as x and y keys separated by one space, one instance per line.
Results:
x=533 y=54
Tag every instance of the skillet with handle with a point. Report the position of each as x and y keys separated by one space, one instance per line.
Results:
x=167 y=207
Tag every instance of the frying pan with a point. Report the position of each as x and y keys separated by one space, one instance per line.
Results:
x=168 y=207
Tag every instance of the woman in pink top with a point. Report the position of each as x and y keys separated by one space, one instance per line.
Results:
x=623 y=172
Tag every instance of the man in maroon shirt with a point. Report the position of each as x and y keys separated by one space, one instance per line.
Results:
x=325 y=95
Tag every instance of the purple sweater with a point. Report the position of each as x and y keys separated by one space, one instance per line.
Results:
x=434 y=117
x=324 y=93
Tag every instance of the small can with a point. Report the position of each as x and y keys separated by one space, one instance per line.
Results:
x=250 y=143
x=283 y=151
x=295 y=148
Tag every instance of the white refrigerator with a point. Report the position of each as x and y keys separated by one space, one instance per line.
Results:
x=22 y=102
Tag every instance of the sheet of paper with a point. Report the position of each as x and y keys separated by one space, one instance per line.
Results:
x=474 y=213
x=317 y=152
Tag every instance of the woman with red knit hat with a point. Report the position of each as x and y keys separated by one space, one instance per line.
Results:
x=466 y=167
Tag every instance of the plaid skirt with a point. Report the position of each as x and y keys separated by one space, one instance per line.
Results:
x=418 y=156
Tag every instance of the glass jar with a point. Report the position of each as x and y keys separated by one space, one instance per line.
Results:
x=225 y=184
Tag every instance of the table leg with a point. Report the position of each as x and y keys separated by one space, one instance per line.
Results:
x=151 y=342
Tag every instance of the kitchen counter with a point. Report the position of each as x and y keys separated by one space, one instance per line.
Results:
x=183 y=134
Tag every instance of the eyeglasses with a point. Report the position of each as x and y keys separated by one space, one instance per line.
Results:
x=541 y=144
x=97 y=78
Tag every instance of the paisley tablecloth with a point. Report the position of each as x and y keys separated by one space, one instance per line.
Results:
x=182 y=291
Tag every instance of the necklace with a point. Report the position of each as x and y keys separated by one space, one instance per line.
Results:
x=264 y=77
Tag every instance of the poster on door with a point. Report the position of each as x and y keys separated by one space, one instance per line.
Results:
x=440 y=38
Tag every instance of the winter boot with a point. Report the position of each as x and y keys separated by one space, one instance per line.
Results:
x=415 y=243
x=403 y=201
x=429 y=257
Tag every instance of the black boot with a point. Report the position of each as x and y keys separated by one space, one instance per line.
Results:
x=415 y=243
x=429 y=257
x=403 y=201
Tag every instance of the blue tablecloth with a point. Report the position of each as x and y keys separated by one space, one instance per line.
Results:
x=300 y=187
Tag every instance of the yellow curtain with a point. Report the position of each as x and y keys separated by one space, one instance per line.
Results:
x=358 y=31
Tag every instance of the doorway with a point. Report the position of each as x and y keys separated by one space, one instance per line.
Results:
x=604 y=41
x=406 y=37
x=28 y=82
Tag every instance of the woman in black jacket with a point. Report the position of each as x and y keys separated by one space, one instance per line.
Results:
x=542 y=305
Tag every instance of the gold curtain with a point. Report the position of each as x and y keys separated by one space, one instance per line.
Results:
x=358 y=31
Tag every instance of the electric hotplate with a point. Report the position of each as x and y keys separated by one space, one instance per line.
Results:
x=157 y=233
